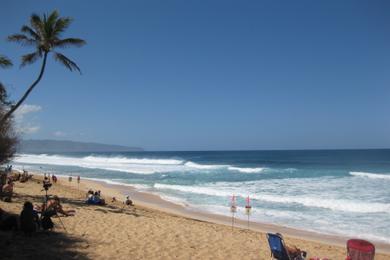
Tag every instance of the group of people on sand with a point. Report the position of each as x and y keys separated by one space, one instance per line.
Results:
x=34 y=218
x=7 y=179
x=94 y=198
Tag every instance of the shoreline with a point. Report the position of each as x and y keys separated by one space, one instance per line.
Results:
x=156 y=202
x=152 y=229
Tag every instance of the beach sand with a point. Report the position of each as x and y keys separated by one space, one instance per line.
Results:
x=141 y=232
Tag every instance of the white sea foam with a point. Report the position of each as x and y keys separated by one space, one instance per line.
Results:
x=307 y=201
x=203 y=166
x=123 y=164
x=119 y=182
x=371 y=175
x=332 y=204
x=193 y=189
x=246 y=170
x=126 y=160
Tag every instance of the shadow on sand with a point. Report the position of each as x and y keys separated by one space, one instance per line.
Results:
x=42 y=245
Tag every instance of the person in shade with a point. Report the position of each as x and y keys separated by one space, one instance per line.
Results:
x=28 y=219
x=8 y=190
x=8 y=221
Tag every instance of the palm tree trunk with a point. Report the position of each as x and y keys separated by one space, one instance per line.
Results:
x=13 y=108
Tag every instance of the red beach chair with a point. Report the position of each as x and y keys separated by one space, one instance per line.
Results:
x=358 y=249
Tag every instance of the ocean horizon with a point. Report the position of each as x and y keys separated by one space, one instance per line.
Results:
x=337 y=192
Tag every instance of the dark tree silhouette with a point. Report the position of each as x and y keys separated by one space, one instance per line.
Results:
x=8 y=138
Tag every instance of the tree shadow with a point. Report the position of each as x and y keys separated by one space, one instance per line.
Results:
x=44 y=245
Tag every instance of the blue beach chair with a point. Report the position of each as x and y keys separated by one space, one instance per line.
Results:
x=278 y=248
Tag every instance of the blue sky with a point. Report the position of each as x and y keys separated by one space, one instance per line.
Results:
x=211 y=75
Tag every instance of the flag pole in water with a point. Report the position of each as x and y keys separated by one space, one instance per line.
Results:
x=248 y=209
x=233 y=208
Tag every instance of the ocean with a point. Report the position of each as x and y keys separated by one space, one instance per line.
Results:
x=338 y=192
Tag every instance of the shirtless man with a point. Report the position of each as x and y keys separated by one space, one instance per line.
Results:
x=53 y=204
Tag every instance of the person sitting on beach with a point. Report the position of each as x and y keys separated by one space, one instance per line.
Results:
x=89 y=194
x=7 y=221
x=294 y=252
x=24 y=176
x=28 y=218
x=94 y=198
x=8 y=190
x=54 y=178
x=53 y=207
x=9 y=187
x=128 y=201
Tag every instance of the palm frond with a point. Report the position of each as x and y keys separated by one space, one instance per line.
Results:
x=68 y=42
x=66 y=62
x=30 y=58
x=37 y=24
x=49 y=22
x=61 y=25
x=53 y=17
x=31 y=32
x=44 y=34
x=22 y=39
x=5 y=62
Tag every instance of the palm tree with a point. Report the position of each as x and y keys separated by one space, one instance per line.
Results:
x=44 y=34
x=5 y=62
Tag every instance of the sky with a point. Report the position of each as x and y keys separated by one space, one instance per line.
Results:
x=210 y=75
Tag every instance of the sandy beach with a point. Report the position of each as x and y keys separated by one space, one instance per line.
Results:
x=153 y=229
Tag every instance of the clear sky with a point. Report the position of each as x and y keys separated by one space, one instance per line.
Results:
x=211 y=75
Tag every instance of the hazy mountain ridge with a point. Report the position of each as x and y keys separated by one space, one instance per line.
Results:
x=58 y=146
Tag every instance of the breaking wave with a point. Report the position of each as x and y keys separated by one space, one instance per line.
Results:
x=313 y=202
x=130 y=165
x=371 y=175
x=203 y=166
x=246 y=170
x=117 y=163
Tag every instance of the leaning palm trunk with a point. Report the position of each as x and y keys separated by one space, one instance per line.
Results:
x=14 y=107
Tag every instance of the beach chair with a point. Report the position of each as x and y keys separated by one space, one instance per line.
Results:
x=358 y=249
x=279 y=250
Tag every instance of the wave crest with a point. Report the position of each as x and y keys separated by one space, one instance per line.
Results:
x=312 y=202
x=117 y=163
x=203 y=166
x=371 y=175
x=246 y=170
